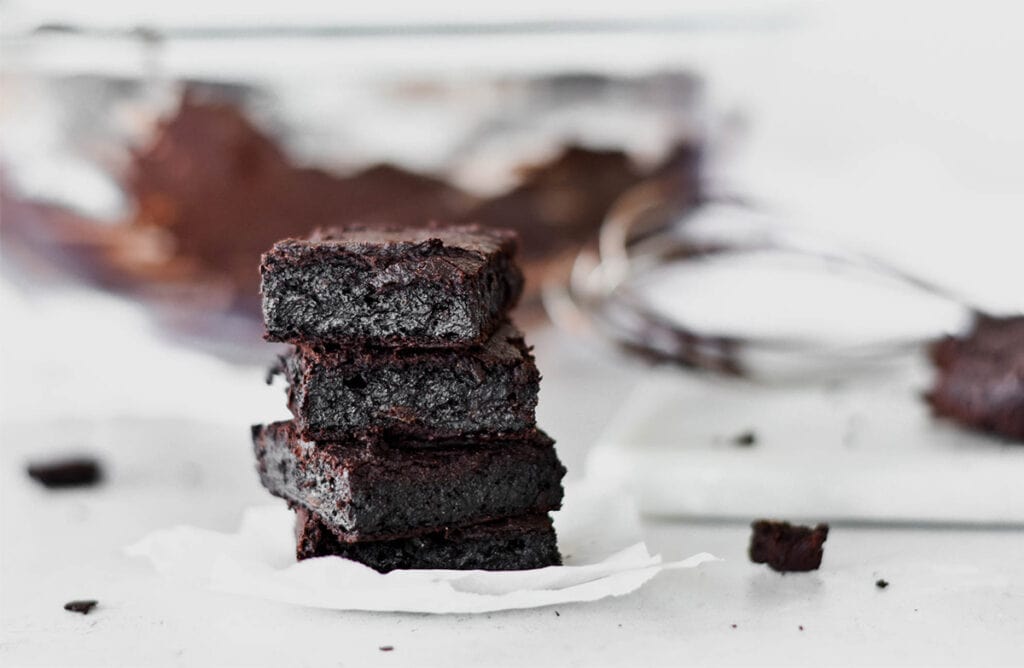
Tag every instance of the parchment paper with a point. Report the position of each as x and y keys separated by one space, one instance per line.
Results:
x=598 y=537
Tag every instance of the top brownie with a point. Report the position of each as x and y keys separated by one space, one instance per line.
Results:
x=435 y=287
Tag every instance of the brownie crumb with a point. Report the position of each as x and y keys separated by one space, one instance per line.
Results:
x=557 y=614
x=82 y=607
x=881 y=584
x=734 y=626
x=801 y=627
x=386 y=648
x=787 y=547
x=68 y=472
x=745 y=439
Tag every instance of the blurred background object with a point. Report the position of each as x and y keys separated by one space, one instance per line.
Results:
x=161 y=159
x=155 y=154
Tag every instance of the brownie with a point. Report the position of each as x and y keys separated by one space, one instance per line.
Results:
x=367 y=492
x=787 y=547
x=425 y=286
x=414 y=395
x=518 y=543
x=980 y=379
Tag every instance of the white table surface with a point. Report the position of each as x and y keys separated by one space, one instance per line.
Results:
x=956 y=595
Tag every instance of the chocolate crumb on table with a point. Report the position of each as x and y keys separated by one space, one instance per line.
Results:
x=82 y=607
x=881 y=584
x=68 y=472
x=386 y=648
x=787 y=547
x=980 y=379
x=745 y=438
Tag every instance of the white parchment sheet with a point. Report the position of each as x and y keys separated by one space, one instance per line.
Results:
x=597 y=533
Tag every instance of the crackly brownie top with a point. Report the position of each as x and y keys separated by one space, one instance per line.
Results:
x=386 y=244
x=505 y=346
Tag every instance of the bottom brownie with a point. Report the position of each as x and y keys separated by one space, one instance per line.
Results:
x=513 y=544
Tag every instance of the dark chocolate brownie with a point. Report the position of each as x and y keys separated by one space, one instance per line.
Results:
x=517 y=543
x=787 y=547
x=426 y=286
x=980 y=381
x=414 y=395
x=367 y=493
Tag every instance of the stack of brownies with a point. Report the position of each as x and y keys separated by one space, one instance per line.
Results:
x=413 y=443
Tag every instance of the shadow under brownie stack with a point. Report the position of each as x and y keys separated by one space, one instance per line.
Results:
x=413 y=443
